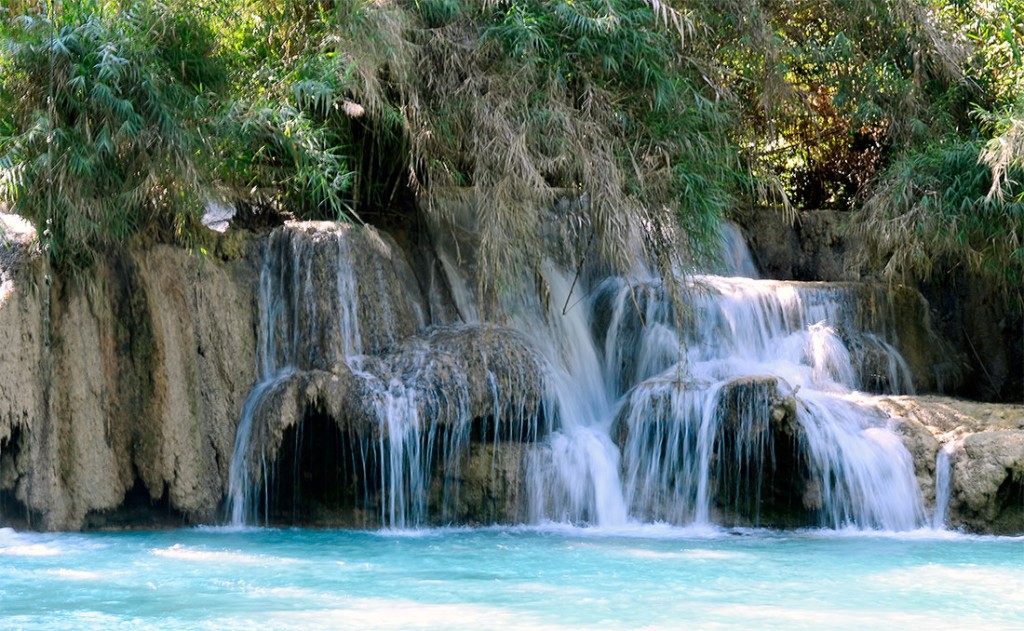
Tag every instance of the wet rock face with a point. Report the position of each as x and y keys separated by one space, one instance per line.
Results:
x=125 y=385
x=308 y=266
x=983 y=358
x=813 y=248
x=757 y=471
x=987 y=467
x=988 y=483
x=120 y=396
x=458 y=401
x=346 y=357
x=924 y=449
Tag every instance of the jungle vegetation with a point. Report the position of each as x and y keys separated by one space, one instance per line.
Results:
x=121 y=119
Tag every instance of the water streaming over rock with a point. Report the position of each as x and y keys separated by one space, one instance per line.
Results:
x=735 y=402
x=943 y=482
x=405 y=413
x=297 y=331
x=767 y=340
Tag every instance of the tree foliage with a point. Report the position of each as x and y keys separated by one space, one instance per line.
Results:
x=659 y=115
x=103 y=133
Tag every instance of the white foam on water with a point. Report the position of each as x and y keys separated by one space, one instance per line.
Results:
x=803 y=617
x=185 y=553
x=295 y=593
x=384 y=614
x=924 y=533
x=690 y=555
x=653 y=531
x=32 y=550
x=1001 y=584
x=78 y=575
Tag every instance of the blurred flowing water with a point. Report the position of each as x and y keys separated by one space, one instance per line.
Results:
x=651 y=425
x=654 y=403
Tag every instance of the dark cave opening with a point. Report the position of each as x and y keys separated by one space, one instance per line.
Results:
x=13 y=512
x=138 y=510
x=1010 y=502
x=323 y=477
x=770 y=489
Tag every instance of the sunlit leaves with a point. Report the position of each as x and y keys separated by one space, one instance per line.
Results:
x=120 y=150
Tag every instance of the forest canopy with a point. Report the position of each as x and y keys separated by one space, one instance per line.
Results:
x=120 y=120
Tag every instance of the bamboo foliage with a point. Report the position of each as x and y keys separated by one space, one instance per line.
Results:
x=658 y=117
x=120 y=151
x=529 y=101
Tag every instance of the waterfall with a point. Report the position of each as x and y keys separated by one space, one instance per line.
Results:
x=735 y=255
x=408 y=405
x=296 y=331
x=858 y=472
x=943 y=482
x=577 y=478
x=670 y=451
x=726 y=404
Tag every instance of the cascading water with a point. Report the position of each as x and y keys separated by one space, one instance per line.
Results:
x=690 y=404
x=577 y=478
x=943 y=482
x=295 y=333
x=739 y=333
x=412 y=400
x=647 y=414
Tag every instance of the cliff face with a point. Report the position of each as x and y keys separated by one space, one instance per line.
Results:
x=121 y=396
x=118 y=403
x=355 y=358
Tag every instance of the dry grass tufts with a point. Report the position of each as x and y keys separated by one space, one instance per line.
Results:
x=1002 y=152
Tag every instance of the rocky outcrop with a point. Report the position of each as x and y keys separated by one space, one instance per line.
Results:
x=447 y=377
x=120 y=396
x=760 y=460
x=814 y=247
x=122 y=390
x=740 y=438
x=987 y=440
x=121 y=393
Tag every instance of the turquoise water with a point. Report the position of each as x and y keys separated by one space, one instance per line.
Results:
x=508 y=578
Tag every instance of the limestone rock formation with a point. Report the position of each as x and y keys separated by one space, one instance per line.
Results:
x=987 y=440
x=450 y=375
x=122 y=389
x=988 y=482
x=120 y=396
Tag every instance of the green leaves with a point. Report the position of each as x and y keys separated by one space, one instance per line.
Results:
x=661 y=112
x=121 y=151
x=292 y=162
x=934 y=206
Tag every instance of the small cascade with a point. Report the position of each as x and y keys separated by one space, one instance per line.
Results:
x=688 y=443
x=735 y=255
x=295 y=333
x=409 y=416
x=576 y=478
x=685 y=419
x=943 y=482
x=859 y=469
x=689 y=455
x=430 y=410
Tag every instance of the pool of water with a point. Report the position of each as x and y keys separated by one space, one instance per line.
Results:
x=510 y=578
